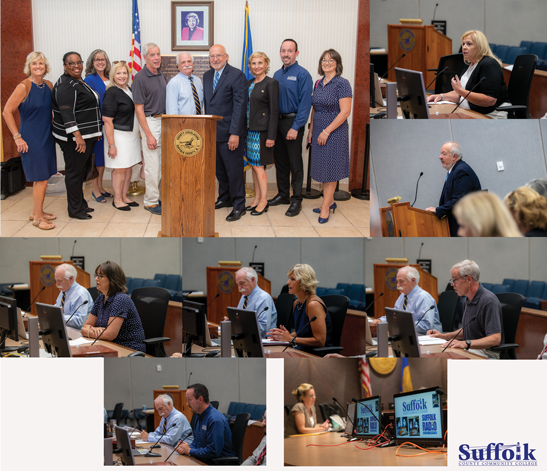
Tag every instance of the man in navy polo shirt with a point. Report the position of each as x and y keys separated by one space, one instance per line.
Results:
x=295 y=90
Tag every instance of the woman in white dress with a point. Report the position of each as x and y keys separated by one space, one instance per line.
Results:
x=122 y=143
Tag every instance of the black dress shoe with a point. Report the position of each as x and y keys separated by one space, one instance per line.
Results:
x=87 y=216
x=294 y=209
x=89 y=210
x=279 y=200
x=235 y=215
x=223 y=204
x=250 y=208
x=258 y=213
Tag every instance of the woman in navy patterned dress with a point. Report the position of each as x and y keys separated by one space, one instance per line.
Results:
x=329 y=131
x=113 y=311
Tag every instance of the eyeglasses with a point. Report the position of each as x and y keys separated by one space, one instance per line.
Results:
x=311 y=395
x=99 y=60
x=100 y=277
x=74 y=64
x=452 y=281
x=119 y=62
x=328 y=61
x=217 y=56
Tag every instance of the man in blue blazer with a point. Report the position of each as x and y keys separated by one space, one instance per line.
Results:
x=225 y=93
x=460 y=180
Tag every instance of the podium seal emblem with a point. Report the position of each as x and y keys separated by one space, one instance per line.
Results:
x=226 y=282
x=47 y=275
x=407 y=40
x=188 y=142
x=390 y=279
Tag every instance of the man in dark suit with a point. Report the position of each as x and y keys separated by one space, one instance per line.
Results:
x=225 y=93
x=460 y=180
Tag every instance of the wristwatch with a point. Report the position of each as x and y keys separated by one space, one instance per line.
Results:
x=468 y=342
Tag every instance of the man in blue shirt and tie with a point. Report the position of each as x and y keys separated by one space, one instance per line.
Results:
x=184 y=90
x=212 y=435
x=174 y=426
x=72 y=296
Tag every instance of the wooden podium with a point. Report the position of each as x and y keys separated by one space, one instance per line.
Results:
x=42 y=273
x=222 y=281
x=385 y=281
x=401 y=220
x=188 y=163
x=423 y=46
x=179 y=403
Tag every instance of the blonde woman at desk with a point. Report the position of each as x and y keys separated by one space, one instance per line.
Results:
x=302 y=418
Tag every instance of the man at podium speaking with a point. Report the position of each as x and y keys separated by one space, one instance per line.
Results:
x=460 y=180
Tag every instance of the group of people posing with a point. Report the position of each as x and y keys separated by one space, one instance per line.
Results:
x=103 y=116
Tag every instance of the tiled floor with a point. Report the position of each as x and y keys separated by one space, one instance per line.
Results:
x=351 y=219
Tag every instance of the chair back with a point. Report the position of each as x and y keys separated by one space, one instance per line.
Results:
x=283 y=306
x=117 y=414
x=497 y=289
x=509 y=282
x=521 y=287
x=327 y=409
x=455 y=65
x=521 y=82
x=337 y=305
x=151 y=304
x=501 y=52
x=93 y=292
x=238 y=434
x=513 y=53
x=215 y=404
x=536 y=289
x=527 y=45
x=511 y=305
x=448 y=303
x=539 y=49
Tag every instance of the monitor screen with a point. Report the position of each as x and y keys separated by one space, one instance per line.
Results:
x=367 y=414
x=194 y=323
x=418 y=417
x=8 y=318
x=402 y=333
x=245 y=333
x=351 y=413
x=411 y=90
x=124 y=444
x=53 y=329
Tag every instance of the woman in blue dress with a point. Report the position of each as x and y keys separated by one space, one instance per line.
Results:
x=329 y=131
x=303 y=283
x=97 y=71
x=34 y=139
x=262 y=118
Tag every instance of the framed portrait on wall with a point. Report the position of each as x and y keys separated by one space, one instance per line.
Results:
x=192 y=26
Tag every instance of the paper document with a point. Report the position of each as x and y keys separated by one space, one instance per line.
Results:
x=270 y=342
x=427 y=340
x=80 y=341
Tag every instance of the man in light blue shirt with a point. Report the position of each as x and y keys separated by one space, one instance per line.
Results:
x=256 y=299
x=72 y=296
x=184 y=91
x=174 y=426
x=414 y=299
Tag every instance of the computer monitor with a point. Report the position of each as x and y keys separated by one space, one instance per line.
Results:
x=8 y=321
x=402 y=333
x=411 y=91
x=245 y=333
x=419 y=418
x=124 y=444
x=194 y=323
x=367 y=422
x=53 y=330
x=372 y=85
x=351 y=413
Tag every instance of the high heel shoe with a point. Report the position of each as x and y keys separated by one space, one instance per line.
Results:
x=250 y=208
x=254 y=212
x=332 y=206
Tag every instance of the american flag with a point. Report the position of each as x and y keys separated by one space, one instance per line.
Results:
x=135 y=54
x=365 y=377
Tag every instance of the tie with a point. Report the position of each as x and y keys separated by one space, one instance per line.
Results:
x=63 y=300
x=215 y=81
x=196 y=96
x=245 y=303
x=261 y=457
x=164 y=426
x=446 y=179
x=404 y=304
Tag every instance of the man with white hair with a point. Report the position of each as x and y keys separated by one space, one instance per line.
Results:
x=72 y=296
x=460 y=180
x=149 y=95
x=184 y=90
x=481 y=316
x=256 y=299
x=174 y=426
x=416 y=300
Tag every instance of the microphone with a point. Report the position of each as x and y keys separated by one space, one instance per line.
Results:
x=476 y=85
x=292 y=343
x=73 y=246
x=379 y=296
x=383 y=76
x=218 y=294
x=420 y=252
x=188 y=382
x=76 y=310
x=420 y=319
x=344 y=409
x=155 y=445
x=435 y=11
x=436 y=75
x=458 y=333
x=253 y=259
x=174 y=448
x=390 y=441
x=40 y=292
x=107 y=326
x=416 y=195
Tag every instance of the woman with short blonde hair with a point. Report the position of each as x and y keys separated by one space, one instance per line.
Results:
x=529 y=209
x=303 y=418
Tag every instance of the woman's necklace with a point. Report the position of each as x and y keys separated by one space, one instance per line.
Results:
x=40 y=86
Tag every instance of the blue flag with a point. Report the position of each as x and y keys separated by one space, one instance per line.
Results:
x=247 y=45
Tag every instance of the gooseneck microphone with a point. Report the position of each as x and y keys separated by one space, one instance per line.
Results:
x=188 y=382
x=347 y=415
x=420 y=319
x=435 y=11
x=420 y=252
x=373 y=301
x=179 y=441
x=35 y=298
x=383 y=76
x=107 y=326
x=207 y=307
x=416 y=195
x=292 y=343
x=155 y=445
x=73 y=247
x=254 y=251
x=390 y=441
x=436 y=75
x=465 y=98
x=458 y=333
x=75 y=311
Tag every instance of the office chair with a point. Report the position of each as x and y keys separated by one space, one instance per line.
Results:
x=238 y=437
x=288 y=409
x=93 y=292
x=511 y=305
x=117 y=414
x=513 y=53
x=448 y=303
x=215 y=404
x=283 y=306
x=337 y=305
x=327 y=409
x=136 y=354
x=519 y=87
x=455 y=65
x=151 y=304
x=139 y=416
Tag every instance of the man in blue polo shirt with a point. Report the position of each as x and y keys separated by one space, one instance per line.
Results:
x=295 y=90
x=212 y=435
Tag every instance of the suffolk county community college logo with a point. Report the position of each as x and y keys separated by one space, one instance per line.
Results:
x=188 y=142
x=390 y=279
x=497 y=454
x=407 y=40
x=226 y=282
x=47 y=275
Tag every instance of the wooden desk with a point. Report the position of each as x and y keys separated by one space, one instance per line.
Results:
x=537 y=103
x=530 y=333
x=444 y=110
x=297 y=453
x=165 y=451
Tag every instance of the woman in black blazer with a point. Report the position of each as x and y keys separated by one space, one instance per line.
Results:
x=262 y=117
x=481 y=63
